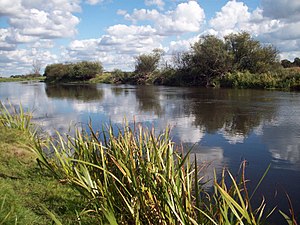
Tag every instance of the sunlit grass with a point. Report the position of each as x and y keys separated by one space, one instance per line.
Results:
x=284 y=79
x=25 y=189
x=21 y=78
x=135 y=177
x=15 y=117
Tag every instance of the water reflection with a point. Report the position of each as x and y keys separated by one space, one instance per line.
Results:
x=148 y=99
x=117 y=91
x=195 y=115
x=82 y=92
x=232 y=112
x=211 y=161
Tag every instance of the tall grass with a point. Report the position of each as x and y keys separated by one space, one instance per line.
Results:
x=286 y=79
x=135 y=177
x=15 y=117
x=131 y=178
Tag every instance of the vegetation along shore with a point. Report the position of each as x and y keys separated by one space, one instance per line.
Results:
x=125 y=176
x=235 y=61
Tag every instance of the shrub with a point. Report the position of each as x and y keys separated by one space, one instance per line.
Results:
x=280 y=79
x=79 y=71
x=119 y=76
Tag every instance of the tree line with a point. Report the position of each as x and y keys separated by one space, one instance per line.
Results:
x=211 y=58
x=236 y=60
x=288 y=64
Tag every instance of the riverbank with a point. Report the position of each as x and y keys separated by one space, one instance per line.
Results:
x=26 y=190
x=287 y=79
x=125 y=177
x=21 y=78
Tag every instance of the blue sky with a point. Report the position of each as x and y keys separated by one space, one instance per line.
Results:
x=114 y=31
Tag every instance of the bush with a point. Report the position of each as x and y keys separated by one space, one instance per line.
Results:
x=121 y=77
x=280 y=79
x=79 y=71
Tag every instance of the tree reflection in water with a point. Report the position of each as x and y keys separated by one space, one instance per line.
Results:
x=232 y=112
x=148 y=98
x=83 y=92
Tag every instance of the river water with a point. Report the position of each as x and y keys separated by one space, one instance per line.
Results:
x=223 y=126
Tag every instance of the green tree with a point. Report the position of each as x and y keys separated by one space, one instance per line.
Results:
x=86 y=70
x=57 y=71
x=72 y=71
x=249 y=54
x=209 y=59
x=121 y=77
x=146 y=64
x=286 y=63
x=296 y=62
x=182 y=60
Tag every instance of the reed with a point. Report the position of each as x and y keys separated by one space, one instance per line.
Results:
x=15 y=117
x=135 y=177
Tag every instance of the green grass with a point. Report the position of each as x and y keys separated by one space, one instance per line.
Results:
x=135 y=177
x=11 y=79
x=26 y=189
x=286 y=79
x=103 y=78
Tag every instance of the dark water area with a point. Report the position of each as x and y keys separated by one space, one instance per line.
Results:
x=223 y=126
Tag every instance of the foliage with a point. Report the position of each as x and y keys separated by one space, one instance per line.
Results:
x=167 y=76
x=210 y=59
x=25 y=189
x=237 y=60
x=133 y=177
x=79 y=71
x=288 y=79
x=121 y=77
x=287 y=64
x=146 y=64
x=15 y=118
x=105 y=77
x=249 y=54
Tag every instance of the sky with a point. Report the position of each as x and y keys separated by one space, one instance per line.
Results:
x=115 y=31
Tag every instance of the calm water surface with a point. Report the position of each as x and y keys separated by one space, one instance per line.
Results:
x=223 y=126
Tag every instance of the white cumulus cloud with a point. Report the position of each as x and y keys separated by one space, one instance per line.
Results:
x=159 y=3
x=273 y=22
x=187 y=17
x=42 y=19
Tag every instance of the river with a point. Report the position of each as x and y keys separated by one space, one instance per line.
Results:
x=223 y=126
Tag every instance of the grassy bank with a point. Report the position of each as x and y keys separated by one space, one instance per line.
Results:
x=12 y=79
x=128 y=176
x=284 y=79
x=281 y=79
x=26 y=189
